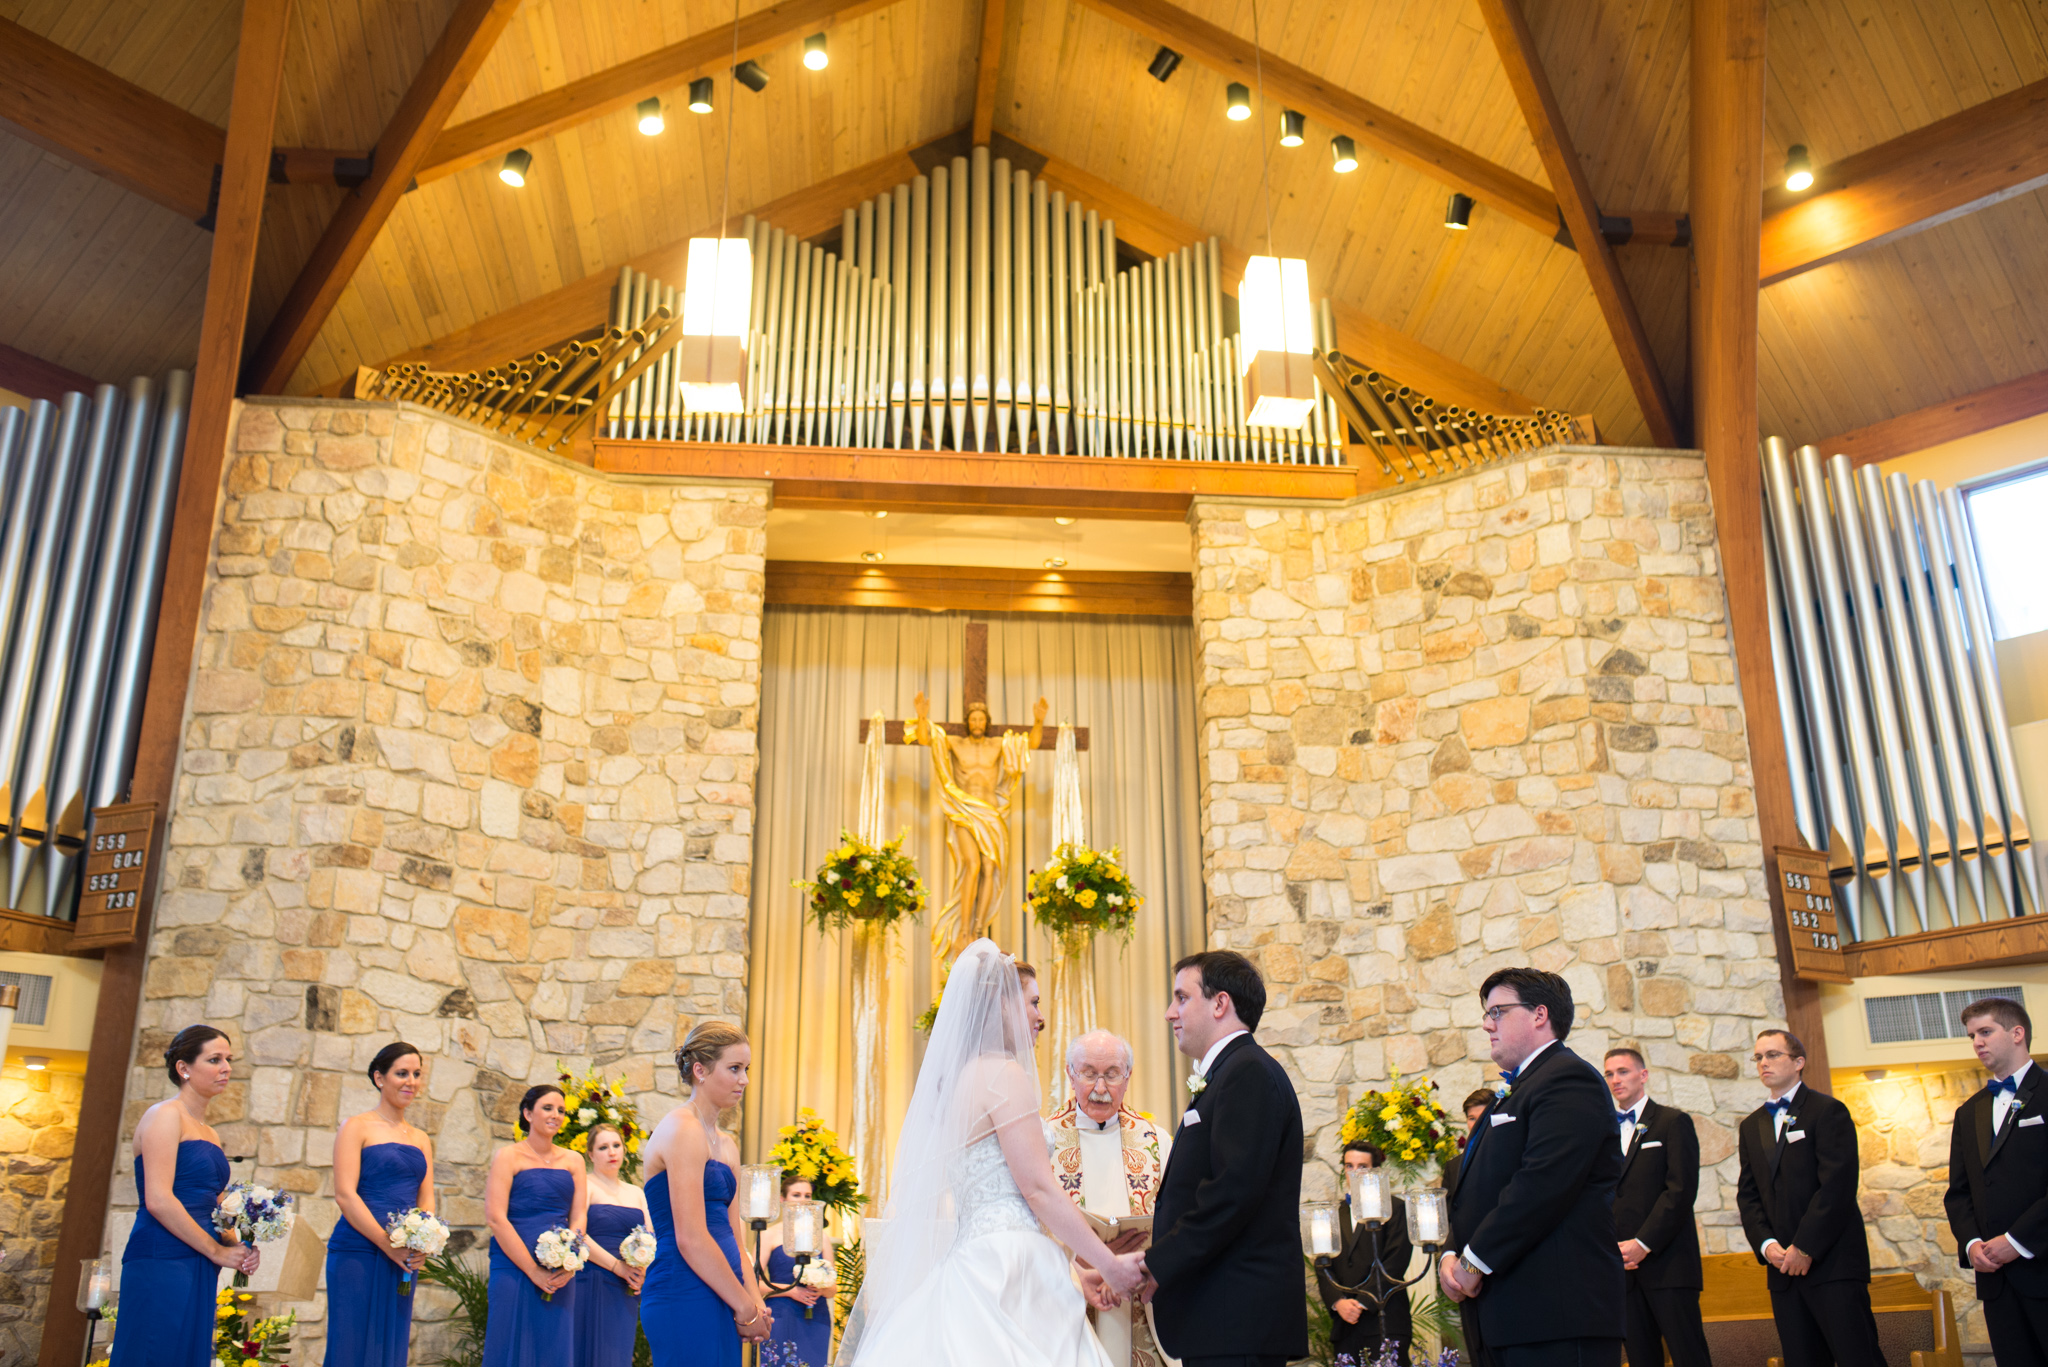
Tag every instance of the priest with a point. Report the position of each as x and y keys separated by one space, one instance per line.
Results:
x=1108 y=1158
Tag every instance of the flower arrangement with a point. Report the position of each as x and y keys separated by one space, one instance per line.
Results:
x=256 y=1212
x=419 y=1231
x=239 y=1341
x=1084 y=891
x=810 y=1151
x=637 y=1248
x=560 y=1249
x=877 y=884
x=593 y=1101
x=1404 y=1122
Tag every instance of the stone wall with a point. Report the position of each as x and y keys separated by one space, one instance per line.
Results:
x=38 y=1124
x=1486 y=722
x=469 y=760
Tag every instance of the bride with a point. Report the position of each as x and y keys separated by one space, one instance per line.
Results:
x=959 y=1271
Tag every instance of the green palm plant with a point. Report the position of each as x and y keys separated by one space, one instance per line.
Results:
x=472 y=1288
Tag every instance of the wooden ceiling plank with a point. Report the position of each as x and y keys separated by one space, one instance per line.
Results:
x=988 y=67
x=478 y=140
x=1297 y=88
x=1517 y=49
x=87 y=115
x=407 y=139
x=1955 y=166
x=2025 y=397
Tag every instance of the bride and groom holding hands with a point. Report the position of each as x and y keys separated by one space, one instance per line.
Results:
x=960 y=1268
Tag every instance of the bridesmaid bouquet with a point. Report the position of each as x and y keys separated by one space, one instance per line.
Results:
x=636 y=1250
x=816 y=1275
x=418 y=1231
x=255 y=1212
x=559 y=1249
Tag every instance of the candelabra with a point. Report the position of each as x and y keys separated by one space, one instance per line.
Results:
x=803 y=1222
x=1326 y=1228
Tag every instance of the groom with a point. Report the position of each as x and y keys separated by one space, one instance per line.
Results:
x=1225 y=1264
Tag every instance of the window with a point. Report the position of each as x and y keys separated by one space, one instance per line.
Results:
x=2006 y=518
x=35 y=997
x=1926 y=1015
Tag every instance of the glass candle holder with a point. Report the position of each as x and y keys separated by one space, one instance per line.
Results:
x=760 y=1192
x=1429 y=1218
x=1372 y=1198
x=95 y=1284
x=1319 y=1229
x=803 y=1228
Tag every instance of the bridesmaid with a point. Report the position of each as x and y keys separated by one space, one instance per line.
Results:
x=811 y=1338
x=173 y=1259
x=700 y=1299
x=532 y=1186
x=608 y=1291
x=382 y=1166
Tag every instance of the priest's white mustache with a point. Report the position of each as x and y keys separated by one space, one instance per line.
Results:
x=1100 y=1096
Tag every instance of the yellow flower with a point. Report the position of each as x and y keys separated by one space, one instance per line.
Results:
x=1391 y=1113
x=1086 y=897
x=226 y=1312
x=786 y=1132
x=581 y=1143
x=844 y=852
x=1085 y=857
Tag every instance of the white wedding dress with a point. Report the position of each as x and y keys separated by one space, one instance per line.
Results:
x=961 y=1274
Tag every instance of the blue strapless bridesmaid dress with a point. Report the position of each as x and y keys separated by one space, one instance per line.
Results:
x=168 y=1284
x=369 y=1324
x=687 y=1324
x=607 y=1311
x=812 y=1338
x=525 y=1330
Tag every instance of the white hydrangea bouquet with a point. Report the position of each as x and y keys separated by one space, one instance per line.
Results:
x=560 y=1249
x=257 y=1213
x=816 y=1274
x=417 y=1231
x=637 y=1249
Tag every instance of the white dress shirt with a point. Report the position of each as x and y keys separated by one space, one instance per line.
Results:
x=2001 y=1111
x=1466 y=1256
x=1631 y=1118
x=1202 y=1068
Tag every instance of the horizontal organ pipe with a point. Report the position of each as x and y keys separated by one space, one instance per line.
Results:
x=90 y=490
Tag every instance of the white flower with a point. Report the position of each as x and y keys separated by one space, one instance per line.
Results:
x=1115 y=900
x=1196 y=1084
x=637 y=1248
x=586 y=1115
x=611 y=1113
x=1061 y=882
x=831 y=875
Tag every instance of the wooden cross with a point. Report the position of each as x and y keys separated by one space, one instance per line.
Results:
x=974 y=688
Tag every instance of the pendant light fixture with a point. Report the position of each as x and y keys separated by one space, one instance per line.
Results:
x=718 y=287
x=1237 y=102
x=815 y=56
x=1458 y=213
x=700 y=95
x=649 y=115
x=1274 y=312
x=1343 y=155
x=1798 y=169
x=1292 y=125
x=513 y=169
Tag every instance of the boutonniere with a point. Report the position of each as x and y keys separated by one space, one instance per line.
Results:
x=1504 y=1091
x=1197 y=1084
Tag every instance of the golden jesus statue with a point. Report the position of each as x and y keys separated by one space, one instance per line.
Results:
x=978 y=774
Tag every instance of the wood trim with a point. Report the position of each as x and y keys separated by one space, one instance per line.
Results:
x=1517 y=49
x=1287 y=84
x=32 y=377
x=957 y=588
x=995 y=482
x=2012 y=401
x=1727 y=151
x=24 y=932
x=2021 y=940
x=1955 y=166
x=1366 y=339
x=477 y=140
x=987 y=68
x=91 y=117
x=470 y=33
x=259 y=74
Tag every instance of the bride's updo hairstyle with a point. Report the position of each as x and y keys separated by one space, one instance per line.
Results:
x=704 y=1046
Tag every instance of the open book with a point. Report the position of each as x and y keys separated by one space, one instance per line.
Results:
x=1108 y=1227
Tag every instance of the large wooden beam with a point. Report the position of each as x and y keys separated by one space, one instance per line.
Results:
x=89 y=116
x=32 y=377
x=1411 y=144
x=1954 y=166
x=464 y=43
x=494 y=134
x=2026 y=397
x=972 y=588
x=2015 y=940
x=1376 y=344
x=1526 y=77
x=1727 y=151
x=987 y=69
x=245 y=171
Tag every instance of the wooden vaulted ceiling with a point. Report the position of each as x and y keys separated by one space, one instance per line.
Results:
x=107 y=282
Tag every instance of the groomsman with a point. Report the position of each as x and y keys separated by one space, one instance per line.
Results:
x=1998 y=1183
x=1477 y=1104
x=1797 y=1195
x=1533 y=1217
x=1660 y=1245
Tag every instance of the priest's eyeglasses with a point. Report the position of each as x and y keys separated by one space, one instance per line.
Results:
x=1089 y=1077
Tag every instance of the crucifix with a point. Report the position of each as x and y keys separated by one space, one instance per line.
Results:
x=978 y=766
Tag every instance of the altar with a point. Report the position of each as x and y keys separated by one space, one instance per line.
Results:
x=1129 y=681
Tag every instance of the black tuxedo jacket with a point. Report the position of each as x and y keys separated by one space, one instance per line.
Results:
x=1998 y=1184
x=1660 y=1180
x=1535 y=1203
x=1353 y=1267
x=1226 y=1227
x=1801 y=1190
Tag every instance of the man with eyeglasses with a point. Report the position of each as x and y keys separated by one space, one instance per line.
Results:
x=1797 y=1195
x=1108 y=1158
x=1533 y=1217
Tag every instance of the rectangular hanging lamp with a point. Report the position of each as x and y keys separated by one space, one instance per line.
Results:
x=711 y=359
x=1279 y=335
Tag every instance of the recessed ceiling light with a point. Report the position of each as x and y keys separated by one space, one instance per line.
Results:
x=1055 y=562
x=35 y=1063
x=872 y=557
x=1064 y=521
x=878 y=512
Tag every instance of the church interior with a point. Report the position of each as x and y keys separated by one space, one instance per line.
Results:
x=492 y=486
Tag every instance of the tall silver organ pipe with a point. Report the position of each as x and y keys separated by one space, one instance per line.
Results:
x=90 y=489
x=1903 y=769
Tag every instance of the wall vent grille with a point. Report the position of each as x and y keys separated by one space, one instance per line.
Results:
x=1925 y=1015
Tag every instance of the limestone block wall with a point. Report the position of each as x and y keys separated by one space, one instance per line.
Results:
x=38 y=1125
x=1487 y=722
x=469 y=760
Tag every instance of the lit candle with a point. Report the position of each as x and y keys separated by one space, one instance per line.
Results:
x=802 y=1227
x=1323 y=1234
x=1370 y=1199
x=762 y=1183
x=1427 y=1208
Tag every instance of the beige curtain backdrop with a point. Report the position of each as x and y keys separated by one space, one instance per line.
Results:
x=1129 y=680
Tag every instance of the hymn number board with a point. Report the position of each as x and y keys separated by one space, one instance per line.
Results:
x=1806 y=900
x=116 y=860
